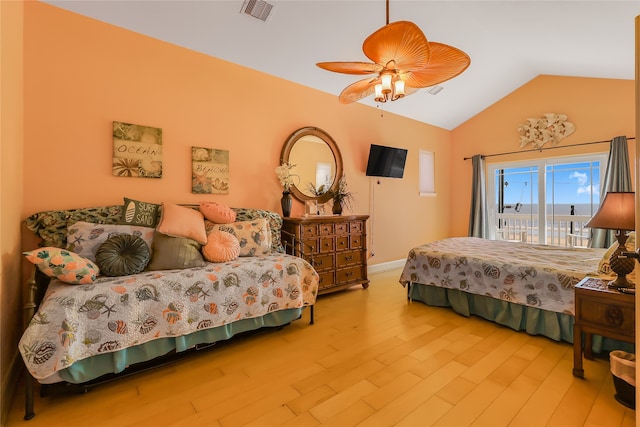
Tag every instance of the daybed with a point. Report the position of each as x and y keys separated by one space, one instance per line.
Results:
x=84 y=332
x=523 y=286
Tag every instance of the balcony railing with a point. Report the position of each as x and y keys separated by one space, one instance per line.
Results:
x=563 y=230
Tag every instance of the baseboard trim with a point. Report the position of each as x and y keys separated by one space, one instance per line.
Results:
x=385 y=266
x=9 y=387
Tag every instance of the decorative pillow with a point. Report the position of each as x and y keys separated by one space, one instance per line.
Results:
x=136 y=212
x=274 y=220
x=84 y=238
x=180 y=221
x=122 y=255
x=254 y=236
x=221 y=247
x=215 y=212
x=603 y=266
x=51 y=226
x=63 y=265
x=169 y=253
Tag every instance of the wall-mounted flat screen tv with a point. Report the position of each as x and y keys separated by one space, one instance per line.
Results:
x=386 y=161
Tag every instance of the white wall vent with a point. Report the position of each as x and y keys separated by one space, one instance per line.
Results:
x=257 y=8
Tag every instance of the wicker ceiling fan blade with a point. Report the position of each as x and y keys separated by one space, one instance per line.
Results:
x=350 y=67
x=446 y=63
x=358 y=90
x=402 y=42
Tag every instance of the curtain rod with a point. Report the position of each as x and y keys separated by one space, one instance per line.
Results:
x=544 y=149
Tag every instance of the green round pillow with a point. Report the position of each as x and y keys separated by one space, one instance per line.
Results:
x=123 y=254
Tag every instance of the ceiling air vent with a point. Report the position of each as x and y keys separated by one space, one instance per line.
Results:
x=257 y=8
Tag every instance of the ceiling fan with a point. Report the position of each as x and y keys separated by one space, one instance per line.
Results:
x=403 y=62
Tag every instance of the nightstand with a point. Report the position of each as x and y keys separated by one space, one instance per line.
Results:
x=602 y=311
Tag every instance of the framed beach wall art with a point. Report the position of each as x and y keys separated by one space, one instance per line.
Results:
x=210 y=171
x=137 y=151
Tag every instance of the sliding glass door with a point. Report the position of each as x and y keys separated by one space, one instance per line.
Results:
x=545 y=201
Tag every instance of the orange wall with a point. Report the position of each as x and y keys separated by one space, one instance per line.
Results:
x=81 y=74
x=601 y=109
x=11 y=133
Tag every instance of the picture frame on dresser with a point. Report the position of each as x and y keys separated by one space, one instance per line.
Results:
x=336 y=246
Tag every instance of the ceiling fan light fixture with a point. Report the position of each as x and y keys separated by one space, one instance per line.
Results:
x=379 y=97
x=399 y=49
x=386 y=82
x=391 y=88
x=398 y=89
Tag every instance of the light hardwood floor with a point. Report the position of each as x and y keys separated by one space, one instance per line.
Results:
x=371 y=359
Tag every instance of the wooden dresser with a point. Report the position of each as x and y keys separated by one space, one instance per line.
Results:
x=335 y=245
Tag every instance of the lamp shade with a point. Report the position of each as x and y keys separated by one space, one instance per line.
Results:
x=617 y=212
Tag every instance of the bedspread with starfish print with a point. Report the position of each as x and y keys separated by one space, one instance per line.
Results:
x=75 y=322
x=540 y=276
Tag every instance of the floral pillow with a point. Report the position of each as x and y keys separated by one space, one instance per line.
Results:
x=63 y=265
x=84 y=238
x=254 y=236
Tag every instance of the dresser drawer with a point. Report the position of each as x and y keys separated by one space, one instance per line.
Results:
x=342 y=228
x=323 y=262
x=356 y=227
x=595 y=313
x=356 y=242
x=327 y=279
x=327 y=244
x=350 y=274
x=325 y=229
x=342 y=243
x=310 y=246
x=347 y=258
x=309 y=231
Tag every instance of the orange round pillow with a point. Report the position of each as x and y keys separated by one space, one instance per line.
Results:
x=221 y=247
x=215 y=212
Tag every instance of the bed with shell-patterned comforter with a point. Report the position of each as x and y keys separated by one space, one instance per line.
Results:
x=83 y=332
x=79 y=322
x=540 y=276
x=523 y=286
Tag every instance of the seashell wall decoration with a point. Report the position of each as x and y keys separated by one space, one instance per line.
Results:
x=552 y=128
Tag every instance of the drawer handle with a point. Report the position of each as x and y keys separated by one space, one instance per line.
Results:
x=341 y=243
x=349 y=274
x=613 y=316
x=319 y=263
x=349 y=258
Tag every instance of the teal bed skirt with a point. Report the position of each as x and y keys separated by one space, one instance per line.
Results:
x=534 y=321
x=113 y=363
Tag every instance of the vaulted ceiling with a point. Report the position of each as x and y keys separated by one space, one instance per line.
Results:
x=509 y=42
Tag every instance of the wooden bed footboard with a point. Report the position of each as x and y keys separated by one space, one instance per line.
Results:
x=36 y=288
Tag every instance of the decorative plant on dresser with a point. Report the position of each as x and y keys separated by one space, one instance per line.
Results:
x=334 y=245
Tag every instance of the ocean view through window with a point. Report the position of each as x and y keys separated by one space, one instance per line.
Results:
x=546 y=201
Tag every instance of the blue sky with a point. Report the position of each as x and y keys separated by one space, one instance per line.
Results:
x=566 y=184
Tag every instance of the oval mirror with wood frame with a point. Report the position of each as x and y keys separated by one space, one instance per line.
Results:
x=318 y=163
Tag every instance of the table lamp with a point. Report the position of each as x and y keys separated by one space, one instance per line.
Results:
x=617 y=212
